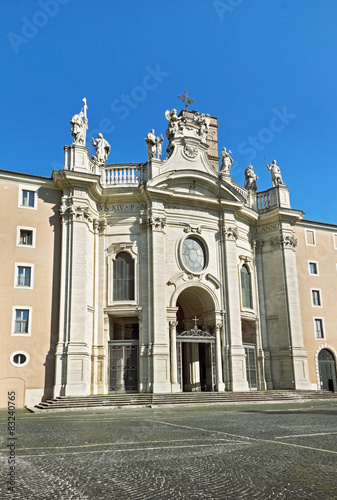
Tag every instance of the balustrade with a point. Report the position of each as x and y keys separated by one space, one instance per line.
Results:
x=122 y=175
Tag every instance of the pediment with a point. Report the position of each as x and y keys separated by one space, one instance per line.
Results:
x=196 y=183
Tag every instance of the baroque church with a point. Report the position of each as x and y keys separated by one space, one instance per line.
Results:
x=164 y=276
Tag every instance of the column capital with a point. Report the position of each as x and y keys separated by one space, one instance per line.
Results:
x=284 y=242
x=231 y=233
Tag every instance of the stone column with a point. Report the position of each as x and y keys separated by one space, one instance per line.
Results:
x=218 y=359
x=174 y=368
x=261 y=381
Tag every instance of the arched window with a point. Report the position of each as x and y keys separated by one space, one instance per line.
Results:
x=246 y=287
x=123 y=277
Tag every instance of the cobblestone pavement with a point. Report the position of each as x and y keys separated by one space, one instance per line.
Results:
x=281 y=451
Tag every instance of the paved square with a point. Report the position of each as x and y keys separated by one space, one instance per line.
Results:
x=218 y=452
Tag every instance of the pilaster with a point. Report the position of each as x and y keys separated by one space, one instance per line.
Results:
x=236 y=353
x=77 y=346
x=160 y=375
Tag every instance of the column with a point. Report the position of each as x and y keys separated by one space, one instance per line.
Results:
x=218 y=359
x=175 y=387
x=261 y=381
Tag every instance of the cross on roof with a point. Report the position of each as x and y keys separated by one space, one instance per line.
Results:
x=186 y=99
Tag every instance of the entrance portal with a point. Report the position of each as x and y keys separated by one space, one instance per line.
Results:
x=196 y=366
x=327 y=370
x=196 y=361
x=123 y=366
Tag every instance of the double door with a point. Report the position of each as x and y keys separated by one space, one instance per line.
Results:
x=251 y=368
x=123 y=366
x=327 y=370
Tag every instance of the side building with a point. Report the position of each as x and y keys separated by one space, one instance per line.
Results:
x=164 y=276
x=317 y=275
x=29 y=286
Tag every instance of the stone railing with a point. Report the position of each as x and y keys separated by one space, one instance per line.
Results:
x=122 y=175
x=274 y=197
x=263 y=200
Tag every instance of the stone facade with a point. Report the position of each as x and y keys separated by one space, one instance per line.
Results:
x=159 y=277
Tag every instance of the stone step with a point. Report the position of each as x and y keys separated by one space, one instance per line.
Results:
x=186 y=398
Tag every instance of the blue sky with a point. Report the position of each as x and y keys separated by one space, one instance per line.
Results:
x=267 y=70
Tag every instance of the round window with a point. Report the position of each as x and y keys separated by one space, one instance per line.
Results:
x=193 y=254
x=19 y=358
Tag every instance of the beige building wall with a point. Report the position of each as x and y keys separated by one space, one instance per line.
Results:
x=39 y=250
x=317 y=244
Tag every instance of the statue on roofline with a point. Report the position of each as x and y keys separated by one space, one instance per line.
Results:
x=154 y=145
x=275 y=173
x=175 y=124
x=250 y=178
x=226 y=161
x=102 y=148
x=79 y=125
x=203 y=121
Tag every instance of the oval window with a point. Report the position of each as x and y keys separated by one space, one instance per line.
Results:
x=19 y=358
x=193 y=254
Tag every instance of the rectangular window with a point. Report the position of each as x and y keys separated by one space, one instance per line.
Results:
x=335 y=241
x=313 y=268
x=316 y=297
x=246 y=287
x=21 y=321
x=310 y=237
x=24 y=276
x=319 y=332
x=28 y=198
x=26 y=237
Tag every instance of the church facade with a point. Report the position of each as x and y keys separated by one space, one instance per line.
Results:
x=161 y=277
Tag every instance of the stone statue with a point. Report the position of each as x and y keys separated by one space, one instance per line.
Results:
x=226 y=161
x=275 y=172
x=203 y=121
x=159 y=146
x=102 y=148
x=151 y=144
x=154 y=145
x=79 y=125
x=250 y=178
x=175 y=124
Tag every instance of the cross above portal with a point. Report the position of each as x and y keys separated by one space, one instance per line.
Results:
x=186 y=99
x=195 y=319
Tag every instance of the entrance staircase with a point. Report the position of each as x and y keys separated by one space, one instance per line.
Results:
x=182 y=398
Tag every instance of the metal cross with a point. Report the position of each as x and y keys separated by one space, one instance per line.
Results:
x=195 y=321
x=186 y=99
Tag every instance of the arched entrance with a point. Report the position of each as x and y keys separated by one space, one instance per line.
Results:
x=327 y=370
x=196 y=342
